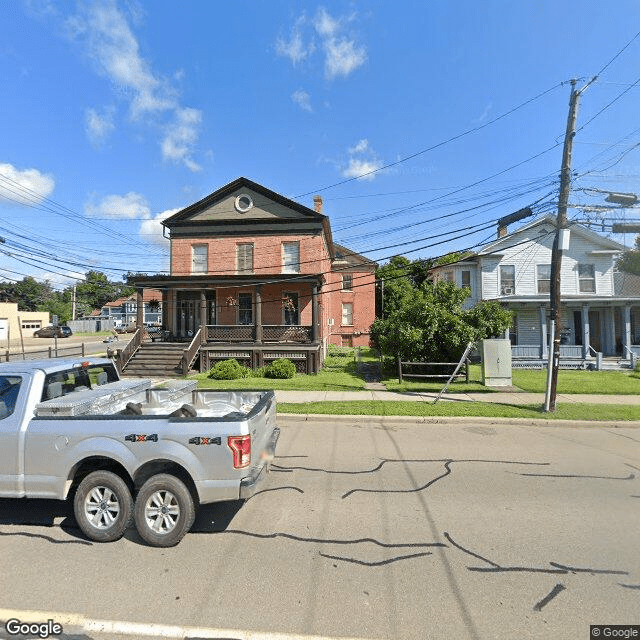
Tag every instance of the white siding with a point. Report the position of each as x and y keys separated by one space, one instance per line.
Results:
x=528 y=327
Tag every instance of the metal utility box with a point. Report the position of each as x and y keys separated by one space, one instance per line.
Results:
x=496 y=363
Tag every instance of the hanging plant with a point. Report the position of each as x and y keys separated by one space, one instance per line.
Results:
x=231 y=301
x=287 y=303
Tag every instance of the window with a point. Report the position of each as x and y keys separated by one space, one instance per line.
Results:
x=586 y=278
x=244 y=257
x=199 y=258
x=290 y=257
x=245 y=308
x=507 y=280
x=243 y=203
x=466 y=279
x=544 y=278
x=347 y=314
x=347 y=282
x=9 y=390
x=290 y=307
x=447 y=276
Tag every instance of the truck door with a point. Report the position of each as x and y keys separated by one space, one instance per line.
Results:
x=11 y=453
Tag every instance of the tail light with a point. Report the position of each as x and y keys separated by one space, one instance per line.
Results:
x=241 y=448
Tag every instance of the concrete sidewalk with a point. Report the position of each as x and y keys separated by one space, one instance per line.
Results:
x=500 y=397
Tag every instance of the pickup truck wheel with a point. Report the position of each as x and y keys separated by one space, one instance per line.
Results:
x=164 y=511
x=103 y=506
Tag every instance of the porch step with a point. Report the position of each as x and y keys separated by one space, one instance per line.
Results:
x=156 y=360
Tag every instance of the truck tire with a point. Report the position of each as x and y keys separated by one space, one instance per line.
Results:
x=164 y=511
x=103 y=506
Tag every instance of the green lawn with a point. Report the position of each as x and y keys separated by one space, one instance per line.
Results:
x=569 y=381
x=569 y=411
x=459 y=386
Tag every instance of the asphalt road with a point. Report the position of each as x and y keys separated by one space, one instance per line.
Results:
x=37 y=348
x=368 y=529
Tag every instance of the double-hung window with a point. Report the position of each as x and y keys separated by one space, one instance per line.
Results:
x=347 y=314
x=347 y=282
x=543 y=273
x=244 y=257
x=586 y=278
x=290 y=257
x=245 y=308
x=507 y=279
x=199 y=258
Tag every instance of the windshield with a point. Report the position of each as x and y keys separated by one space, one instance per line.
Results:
x=62 y=383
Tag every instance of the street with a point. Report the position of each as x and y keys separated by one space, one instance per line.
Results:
x=376 y=528
x=38 y=348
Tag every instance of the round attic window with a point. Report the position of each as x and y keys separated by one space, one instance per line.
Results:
x=244 y=203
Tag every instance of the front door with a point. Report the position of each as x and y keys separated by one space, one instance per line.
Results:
x=595 y=330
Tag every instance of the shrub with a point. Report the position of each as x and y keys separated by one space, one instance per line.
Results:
x=341 y=352
x=280 y=368
x=228 y=370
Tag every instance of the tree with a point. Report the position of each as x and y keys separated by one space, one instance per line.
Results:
x=431 y=325
x=629 y=261
x=97 y=290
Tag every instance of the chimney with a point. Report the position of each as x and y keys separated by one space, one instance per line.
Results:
x=317 y=203
x=502 y=231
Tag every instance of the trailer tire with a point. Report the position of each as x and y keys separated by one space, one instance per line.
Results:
x=164 y=511
x=103 y=506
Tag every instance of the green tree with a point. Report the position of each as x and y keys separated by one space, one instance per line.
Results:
x=97 y=290
x=28 y=293
x=629 y=261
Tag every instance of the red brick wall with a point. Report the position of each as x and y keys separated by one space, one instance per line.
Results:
x=267 y=254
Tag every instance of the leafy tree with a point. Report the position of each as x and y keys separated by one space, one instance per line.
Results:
x=431 y=325
x=629 y=261
x=28 y=293
x=97 y=290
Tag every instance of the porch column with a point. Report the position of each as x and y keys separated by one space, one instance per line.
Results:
x=627 y=331
x=586 y=336
x=203 y=317
x=544 y=353
x=174 y=311
x=315 y=333
x=611 y=331
x=258 y=326
x=139 y=309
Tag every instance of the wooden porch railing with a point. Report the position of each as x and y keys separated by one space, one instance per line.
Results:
x=229 y=333
x=127 y=353
x=270 y=333
x=286 y=333
x=190 y=353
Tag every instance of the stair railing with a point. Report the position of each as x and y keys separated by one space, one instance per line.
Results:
x=190 y=353
x=124 y=355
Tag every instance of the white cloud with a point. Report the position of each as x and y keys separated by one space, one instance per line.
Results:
x=104 y=30
x=25 y=187
x=130 y=205
x=363 y=162
x=302 y=99
x=343 y=54
x=181 y=135
x=151 y=230
x=99 y=125
x=295 y=49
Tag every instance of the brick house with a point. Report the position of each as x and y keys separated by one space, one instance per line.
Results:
x=257 y=276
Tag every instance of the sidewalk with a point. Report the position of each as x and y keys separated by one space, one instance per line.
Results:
x=500 y=397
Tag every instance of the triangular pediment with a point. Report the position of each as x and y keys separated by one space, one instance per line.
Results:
x=240 y=201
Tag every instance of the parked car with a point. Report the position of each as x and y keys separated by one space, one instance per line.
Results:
x=51 y=332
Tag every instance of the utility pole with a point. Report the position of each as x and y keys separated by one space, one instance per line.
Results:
x=73 y=309
x=560 y=243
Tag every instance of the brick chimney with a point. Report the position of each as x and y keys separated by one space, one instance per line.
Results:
x=502 y=231
x=317 y=203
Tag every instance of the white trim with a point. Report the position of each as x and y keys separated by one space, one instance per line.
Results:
x=240 y=208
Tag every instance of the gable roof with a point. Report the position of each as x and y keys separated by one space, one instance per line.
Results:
x=606 y=243
x=345 y=258
x=207 y=213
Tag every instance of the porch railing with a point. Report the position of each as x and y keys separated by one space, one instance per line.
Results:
x=126 y=354
x=229 y=333
x=245 y=333
x=535 y=351
x=286 y=333
x=190 y=353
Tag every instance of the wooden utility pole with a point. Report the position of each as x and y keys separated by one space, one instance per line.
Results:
x=560 y=243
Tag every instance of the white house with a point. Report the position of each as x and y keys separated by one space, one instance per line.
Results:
x=600 y=308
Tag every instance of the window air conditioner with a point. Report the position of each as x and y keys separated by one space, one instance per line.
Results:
x=331 y=322
x=507 y=291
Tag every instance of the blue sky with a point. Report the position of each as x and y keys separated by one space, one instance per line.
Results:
x=119 y=112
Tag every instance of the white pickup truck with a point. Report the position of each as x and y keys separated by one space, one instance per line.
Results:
x=124 y=450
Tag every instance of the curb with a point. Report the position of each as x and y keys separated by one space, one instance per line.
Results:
x=289 y=418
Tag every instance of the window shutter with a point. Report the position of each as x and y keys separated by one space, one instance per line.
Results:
x=290 y=257
x=244 y=255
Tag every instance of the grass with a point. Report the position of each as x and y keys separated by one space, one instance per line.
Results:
x=338 y=374
x=569 y=411
x=459 y=386
x=590 y=382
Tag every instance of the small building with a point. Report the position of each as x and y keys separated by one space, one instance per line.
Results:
x=15 y=324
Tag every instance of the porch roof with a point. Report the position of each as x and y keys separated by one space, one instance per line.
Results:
x=208 y=281
x=577 y=300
